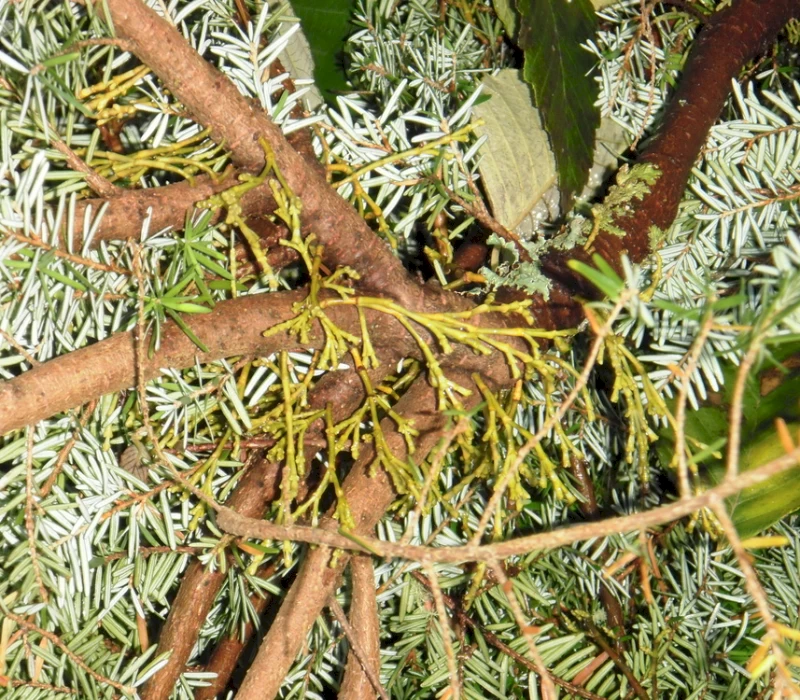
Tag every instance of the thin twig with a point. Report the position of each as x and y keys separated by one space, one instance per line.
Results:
x=97 y=182
x=522 y=453
x=647 y=30
x=141 y=386
x=697 y=13
x=64 y=453
x=735 y=415
x=355 y=645
x=71 y=655
x=233 y=523
x=548 y=689
x=484 y=218
x=444 y=623
x=148 y=551
x=12 y=341
x=41 y=686
x=680 y=409
x=77 y=259
x=30 y=525
x=773 y=637
x=597 y=637
x=500 y=645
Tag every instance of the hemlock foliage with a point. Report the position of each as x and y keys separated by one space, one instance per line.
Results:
x=110 y=558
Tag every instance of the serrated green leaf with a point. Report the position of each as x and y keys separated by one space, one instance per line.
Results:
x=558 y=68
x=507 y=13
x=517 y=165
x=326 y=25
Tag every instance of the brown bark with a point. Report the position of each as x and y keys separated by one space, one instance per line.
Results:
x=368 y=496
x=239 y=125
x=125 y=213
x=226 y=655
x=234 y=327
x=200 y=585
x=167 y=206
x=365 y=623
x=518 y=546
x=731 y=37
x=260 y=485
x=728 y=40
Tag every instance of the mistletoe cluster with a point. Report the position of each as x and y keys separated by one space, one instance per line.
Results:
x=231 y=416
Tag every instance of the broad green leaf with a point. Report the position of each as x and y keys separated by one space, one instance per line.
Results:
x=773 y=392
x=326 y=25
x=517 y=166
x=558 y=68
x=761 y=506
x=507 y=13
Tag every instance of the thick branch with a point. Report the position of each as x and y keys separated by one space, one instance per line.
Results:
x=200 y=585
x=125 y=214
x=259 y=486
x=126 y=211
x=729 y=39
x=234 y=327
x=368 y=496
x=228 y=651
x=239 y=125
x=365 y=623
x=166 y=206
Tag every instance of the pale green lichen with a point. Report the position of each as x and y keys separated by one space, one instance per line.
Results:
x=576 y=234
x=656 y=237
x=510 y=272
x=632 y=184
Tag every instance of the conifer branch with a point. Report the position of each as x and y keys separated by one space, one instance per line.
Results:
x=368 y=496
x=368 y=657
x=364 y=621
x=259 y=487
x=214 y=101
x=200 y=584
x=727 y=41
x=233 y=328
